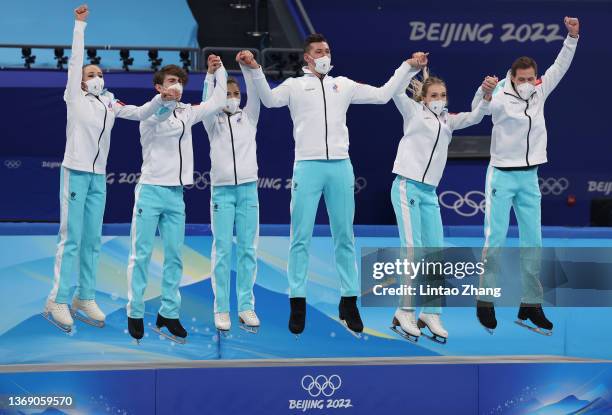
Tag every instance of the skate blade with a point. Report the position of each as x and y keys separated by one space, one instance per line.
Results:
x=95 y=323
x=49 y=318
x=538 y=330
x=171 y=337
x=488 y=330
x=435 y=338
x=250 y=329
x=411 y=338
x=354 y=333
x=224 y=333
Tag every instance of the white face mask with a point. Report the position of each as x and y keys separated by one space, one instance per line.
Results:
x=178 y=86
x=322 y=64
x=232 y=105
x=437 y=106
x=95 y=85
x=525 y=90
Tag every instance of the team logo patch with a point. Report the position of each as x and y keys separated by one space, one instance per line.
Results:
x=73 y=196
x=336 y=88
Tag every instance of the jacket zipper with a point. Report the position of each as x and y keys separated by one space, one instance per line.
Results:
x=229 y=121
x=325 y=112
x=93 y=168
x=529 y=118
x=179 y=148
x=434 y=147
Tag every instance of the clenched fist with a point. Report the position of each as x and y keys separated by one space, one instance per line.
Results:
x=572 y=25
x=81 y=13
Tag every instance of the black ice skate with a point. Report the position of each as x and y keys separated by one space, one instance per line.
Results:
x=297 y=318
x=485 y=311
x=136 y=328
x=535 y=314
x=349 y=315
x=177 y=333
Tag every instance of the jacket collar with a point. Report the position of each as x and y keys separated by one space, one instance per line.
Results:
x=310 y=73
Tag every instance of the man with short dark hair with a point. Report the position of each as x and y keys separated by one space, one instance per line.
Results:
x=318 y=104
x=167 y=166
x=518 y=147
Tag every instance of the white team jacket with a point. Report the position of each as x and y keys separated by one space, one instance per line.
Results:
x=519 y=130
x=90 y=119
x=167 y=150
x=318 y=107
x=233 y=150
x=423 y=150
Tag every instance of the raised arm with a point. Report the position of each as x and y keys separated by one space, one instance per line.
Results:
x=466 y=119
x=271 y=98
x=406 y=105
x=367 y=94
x=214 y=62
x=487 y=88
x=553 y=75
x=217 y=100
x=75 y=64
x=244 y=58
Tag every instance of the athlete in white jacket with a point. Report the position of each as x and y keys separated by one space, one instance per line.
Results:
x=167 y=166
x=421 y=159
x=234 y=200
x=91 y=113
x=318 y=104
x=518 y=147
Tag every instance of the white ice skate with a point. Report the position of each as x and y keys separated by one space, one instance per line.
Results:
x=434 y=324
x=88 y=312
x=249 y=321
x=58 y=315
x=406 y=321
x=223 y=322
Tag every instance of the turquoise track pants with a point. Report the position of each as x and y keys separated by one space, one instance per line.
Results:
x=517 y=189
x=156 y=207
x=419 y=222
x=336 y=181
x=234 y=206
x=82 y=202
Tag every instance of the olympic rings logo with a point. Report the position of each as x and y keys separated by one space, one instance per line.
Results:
x=467 y=206
x=552 y=186
x=12 y=164
x=201 y=181
x=321 y=385
x=360 y=184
